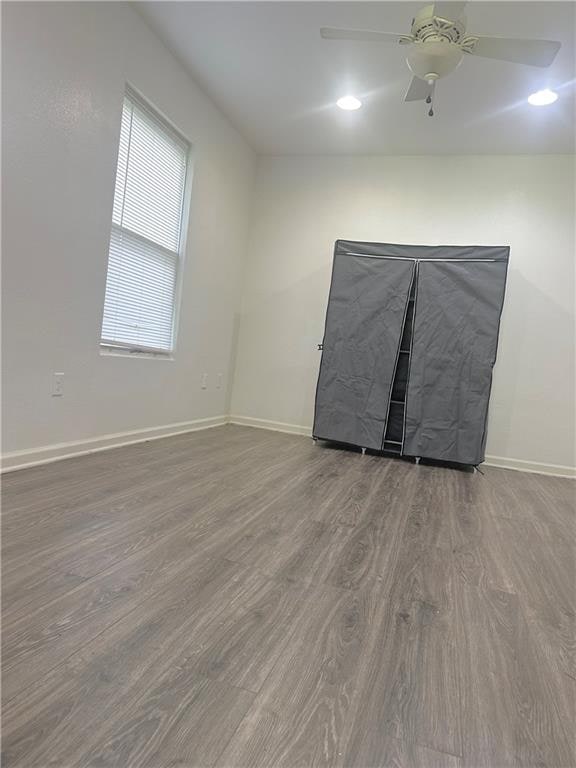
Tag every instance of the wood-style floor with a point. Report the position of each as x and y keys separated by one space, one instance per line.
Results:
x=236 y=597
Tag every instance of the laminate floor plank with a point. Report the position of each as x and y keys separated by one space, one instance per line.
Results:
x=111 y=510
x=424 y=700
x=221 y=623
x=542 y=570
x=410 y=675
x=339 y=495
x=28 y=589
x=548 y=500
x=285 y=541
x=369 y=554
x=324 y=702
x=68 y=709
x=189 y=506
x=113 y=519
x=298 y=717
x=32 y=647
x=479 y=554
x=401 y=754
x=182 y=721
x=508 y=700
x=531 y=555
x=142 y=566
x=236 y=597
x=82 y=483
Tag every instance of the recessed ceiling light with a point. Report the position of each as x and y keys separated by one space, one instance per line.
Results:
x=542 y=98
x=349 y=102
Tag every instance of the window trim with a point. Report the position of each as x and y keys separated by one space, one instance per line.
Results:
x=128 y=349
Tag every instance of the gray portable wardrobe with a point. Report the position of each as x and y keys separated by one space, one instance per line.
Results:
x=409 y=346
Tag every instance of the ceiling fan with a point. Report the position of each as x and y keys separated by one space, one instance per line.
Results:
x=438 y=42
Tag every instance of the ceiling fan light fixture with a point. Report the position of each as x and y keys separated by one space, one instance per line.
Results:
x=433 y=60
x=349 y=103
x=542 y=98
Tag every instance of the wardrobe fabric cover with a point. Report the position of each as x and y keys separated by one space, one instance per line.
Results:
x=368 y=299
x=458 y=293
x=453 y=351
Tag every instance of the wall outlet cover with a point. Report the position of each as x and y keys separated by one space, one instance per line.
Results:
x=57 y=385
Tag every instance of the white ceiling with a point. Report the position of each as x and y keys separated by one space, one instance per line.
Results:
x=265 y=65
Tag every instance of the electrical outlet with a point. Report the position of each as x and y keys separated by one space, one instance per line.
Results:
x=204 y=381
x=219 y=378
x=57 y=385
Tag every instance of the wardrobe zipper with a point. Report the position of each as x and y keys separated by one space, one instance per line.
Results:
x=410 y=258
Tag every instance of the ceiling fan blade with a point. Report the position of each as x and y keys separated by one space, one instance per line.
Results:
x=418 y=90
x=330 y=33
x=448 y=10
x=536 y=53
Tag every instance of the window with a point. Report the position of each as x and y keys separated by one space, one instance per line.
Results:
x=145 y=242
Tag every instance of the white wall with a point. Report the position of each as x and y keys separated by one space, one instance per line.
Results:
x=64 y=71
x=303 y=204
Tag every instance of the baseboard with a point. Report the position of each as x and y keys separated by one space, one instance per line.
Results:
x=519 y=465
x=275 y=426
x=48 y=453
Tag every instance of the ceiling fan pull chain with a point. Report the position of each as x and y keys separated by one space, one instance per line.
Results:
x=430 y=99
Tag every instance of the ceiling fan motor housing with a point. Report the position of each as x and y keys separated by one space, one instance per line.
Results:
x=436 y=50
x=427 y=26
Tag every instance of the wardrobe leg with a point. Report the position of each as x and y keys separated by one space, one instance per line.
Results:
x=363 y=451
x=417 y=459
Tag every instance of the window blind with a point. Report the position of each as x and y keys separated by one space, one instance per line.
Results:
x=144 y=253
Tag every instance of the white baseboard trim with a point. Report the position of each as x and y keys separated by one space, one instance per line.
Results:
x=519 y=465
x=48 y=453
x=275 y=426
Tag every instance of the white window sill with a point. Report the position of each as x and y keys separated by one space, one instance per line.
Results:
x=124 y=352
